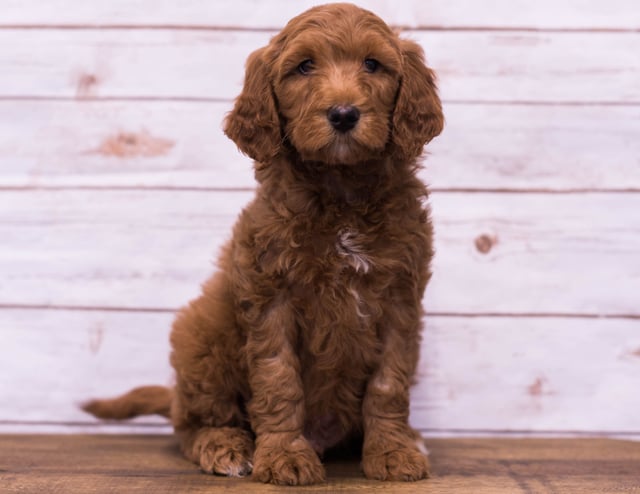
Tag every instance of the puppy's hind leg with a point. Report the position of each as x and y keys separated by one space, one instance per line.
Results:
x=208 y=407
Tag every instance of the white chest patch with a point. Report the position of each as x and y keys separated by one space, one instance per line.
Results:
x=349 y=247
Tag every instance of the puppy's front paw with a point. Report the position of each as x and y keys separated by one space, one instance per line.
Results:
x=403 y=463
x=286 y=462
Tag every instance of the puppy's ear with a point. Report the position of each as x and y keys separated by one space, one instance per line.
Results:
x=417 y=117
x=253 y=123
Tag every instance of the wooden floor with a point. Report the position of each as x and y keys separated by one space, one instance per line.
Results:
x=152 y=464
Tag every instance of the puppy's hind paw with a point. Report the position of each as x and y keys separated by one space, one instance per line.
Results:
x=225 y=451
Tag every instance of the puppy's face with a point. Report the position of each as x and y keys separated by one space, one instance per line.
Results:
x=338 y=86
x=336 y=79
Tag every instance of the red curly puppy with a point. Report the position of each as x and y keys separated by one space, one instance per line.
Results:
x=308 y=335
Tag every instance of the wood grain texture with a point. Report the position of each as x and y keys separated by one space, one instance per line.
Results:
x=180 y=144
x=152 y=249
x=53 y=361
x=479 y=66
x=568 y=14
x=101 y=464
x=117 y=187
x=528 y=374
x=505 y=370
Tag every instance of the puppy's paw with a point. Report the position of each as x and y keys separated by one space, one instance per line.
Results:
x=225 y=451
x=292 y=462
x=404 y=463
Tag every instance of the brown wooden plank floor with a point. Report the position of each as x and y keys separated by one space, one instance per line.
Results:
x=152 y=464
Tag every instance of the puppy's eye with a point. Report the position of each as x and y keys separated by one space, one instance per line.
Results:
x=305 y=67
x=371 y=65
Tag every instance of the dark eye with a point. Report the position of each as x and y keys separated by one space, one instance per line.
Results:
x=371 y=65
x=305 y=67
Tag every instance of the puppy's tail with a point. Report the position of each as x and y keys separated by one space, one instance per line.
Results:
x=146 y=400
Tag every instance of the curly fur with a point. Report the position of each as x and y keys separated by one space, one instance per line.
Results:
x=308 y=334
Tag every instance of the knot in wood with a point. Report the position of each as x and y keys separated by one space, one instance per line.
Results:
x=484 y=243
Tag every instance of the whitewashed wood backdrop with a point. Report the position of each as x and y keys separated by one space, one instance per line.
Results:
x=117 y=187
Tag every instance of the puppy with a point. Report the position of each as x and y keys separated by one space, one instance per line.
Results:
x=308 y=335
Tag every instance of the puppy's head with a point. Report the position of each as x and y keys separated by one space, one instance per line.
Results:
x=337 y=86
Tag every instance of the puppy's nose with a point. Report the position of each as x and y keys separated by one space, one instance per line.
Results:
x=343 y=118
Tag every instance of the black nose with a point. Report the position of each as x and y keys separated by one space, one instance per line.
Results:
x=343 y=118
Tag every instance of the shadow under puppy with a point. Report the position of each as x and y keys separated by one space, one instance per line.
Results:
x=308 y=334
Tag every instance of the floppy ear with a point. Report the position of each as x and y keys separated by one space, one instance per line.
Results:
x=417 y=117
x=253 y=123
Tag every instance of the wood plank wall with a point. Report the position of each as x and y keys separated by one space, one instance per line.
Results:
x=117 y=187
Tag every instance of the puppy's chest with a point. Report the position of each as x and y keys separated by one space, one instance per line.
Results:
x=354 y=252
x=338 y=275
x=335 y=267
x=344 y=251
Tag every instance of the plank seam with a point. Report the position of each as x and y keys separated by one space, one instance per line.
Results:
x=169 y=310
x=206 y=99
x=425 y=430
x=232 y=189
x=274 y=29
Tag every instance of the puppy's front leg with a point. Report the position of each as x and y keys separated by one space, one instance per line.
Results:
x=282 y=455
x=392 y=450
